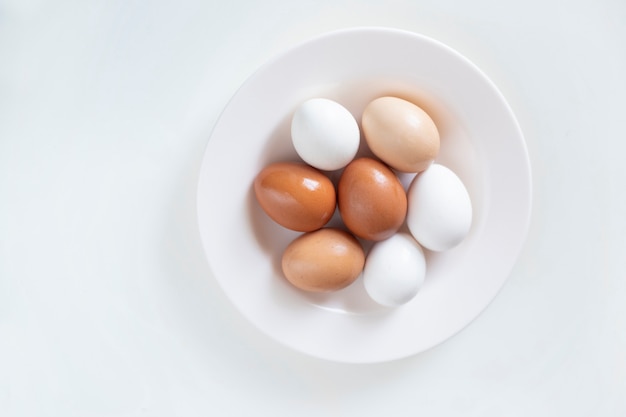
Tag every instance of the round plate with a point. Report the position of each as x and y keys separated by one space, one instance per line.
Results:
x=480 y=140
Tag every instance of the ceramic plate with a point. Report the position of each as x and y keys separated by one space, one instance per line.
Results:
x=480 y=140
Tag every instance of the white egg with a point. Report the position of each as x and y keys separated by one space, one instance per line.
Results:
x=439 y=214
x=394 y=270
x=325 y=134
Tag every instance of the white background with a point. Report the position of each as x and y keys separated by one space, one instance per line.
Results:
x=107 y=307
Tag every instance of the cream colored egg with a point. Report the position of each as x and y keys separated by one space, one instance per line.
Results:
x=400 y=133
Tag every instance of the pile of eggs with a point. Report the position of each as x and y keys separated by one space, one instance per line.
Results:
x=369 y=196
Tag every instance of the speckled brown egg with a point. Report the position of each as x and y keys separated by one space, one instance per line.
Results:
x=400 y=133
x=371 y=199
x=325 y=260
x=295 y=195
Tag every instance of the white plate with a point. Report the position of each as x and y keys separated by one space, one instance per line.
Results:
x=480 y=140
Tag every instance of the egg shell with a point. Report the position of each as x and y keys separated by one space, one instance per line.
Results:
x=371 y=199
x=325 y=260
x=325 y=134
x=394 y=271
x=400 y=133
x=440 y=209
x=295 y=195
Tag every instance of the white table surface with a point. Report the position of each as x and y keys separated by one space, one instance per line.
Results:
x=107 y=306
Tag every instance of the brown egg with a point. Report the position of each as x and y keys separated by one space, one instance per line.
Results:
x=400 y=133
x=295 y=195
x=324 y=260
x=371 y=199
